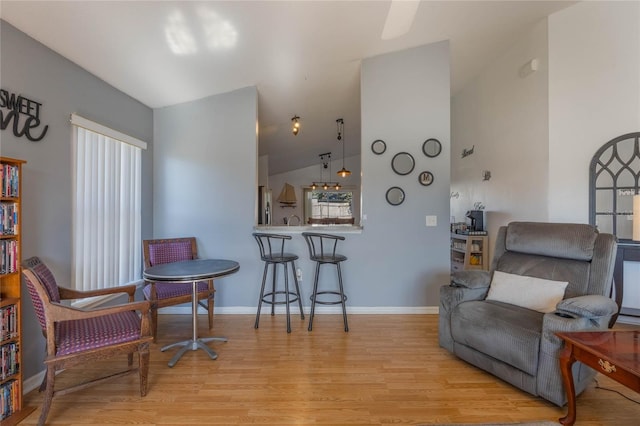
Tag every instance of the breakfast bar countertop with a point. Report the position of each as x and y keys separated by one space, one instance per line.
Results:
x=297 y=229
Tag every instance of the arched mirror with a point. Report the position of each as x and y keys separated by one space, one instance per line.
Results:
x=378 y=147
x=431 y=147
x=614 y=178
x=403 y=163
x=395 y=196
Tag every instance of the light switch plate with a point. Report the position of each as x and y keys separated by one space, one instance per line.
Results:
x=431 y=220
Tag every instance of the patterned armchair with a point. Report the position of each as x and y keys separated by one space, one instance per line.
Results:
x=80 y=336
x=157 y=252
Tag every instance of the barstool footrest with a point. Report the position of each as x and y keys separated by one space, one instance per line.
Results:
x=293 y=297
x=322 y=302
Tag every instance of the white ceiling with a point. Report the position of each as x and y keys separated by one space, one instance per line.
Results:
x=303 y=56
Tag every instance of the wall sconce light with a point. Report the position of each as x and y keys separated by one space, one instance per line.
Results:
x=528 y=68
x=296 y=125
x=342 y=172
x=636 y=218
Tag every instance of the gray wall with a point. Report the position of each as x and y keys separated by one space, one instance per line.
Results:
x=398 y=261
x=29 y=68
x=205 y=176
x=205 y=179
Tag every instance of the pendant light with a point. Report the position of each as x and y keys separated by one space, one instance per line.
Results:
x=296 y=125
x=342 y=172
x=325 y=186
x=328 y=184
x=325 y=163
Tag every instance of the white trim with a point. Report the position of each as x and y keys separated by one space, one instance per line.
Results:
x=355 y=310
x=625 y=319
x=79 y=121
x=33 y=382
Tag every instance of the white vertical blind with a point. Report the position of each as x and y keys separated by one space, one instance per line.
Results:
x=106 y=211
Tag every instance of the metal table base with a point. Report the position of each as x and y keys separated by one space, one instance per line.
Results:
x=194 y=343
x=193 y=271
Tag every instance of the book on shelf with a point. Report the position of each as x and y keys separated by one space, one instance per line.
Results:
x=10 y=181
x=9 y=363
x=9 y=398
x=9 y=318
x=8 y=256
x=8 y=218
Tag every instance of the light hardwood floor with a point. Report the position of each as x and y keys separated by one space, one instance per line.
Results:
x=387 y=369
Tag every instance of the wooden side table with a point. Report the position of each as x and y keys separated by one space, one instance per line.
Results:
x=615 y=354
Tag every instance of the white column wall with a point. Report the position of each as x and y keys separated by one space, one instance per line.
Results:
x=594 y=96
x=502 y=115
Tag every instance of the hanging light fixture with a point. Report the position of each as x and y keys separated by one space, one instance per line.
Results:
x=325 y=160
x=296 y=125
x=342 y=172
x=325 y=186
x=336 y=185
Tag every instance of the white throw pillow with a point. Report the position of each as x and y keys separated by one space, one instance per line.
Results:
x=528 y=292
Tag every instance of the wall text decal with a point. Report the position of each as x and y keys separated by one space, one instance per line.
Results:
x=13 y=108
x=468 y=152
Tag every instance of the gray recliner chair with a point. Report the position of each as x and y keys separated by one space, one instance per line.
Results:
x=517 y=344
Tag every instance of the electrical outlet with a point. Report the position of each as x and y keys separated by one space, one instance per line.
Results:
x=431 y=220
x=299 y=274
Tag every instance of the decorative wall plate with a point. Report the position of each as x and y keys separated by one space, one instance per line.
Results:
x=378 y=147
x=395 y=196
x=425 y=178
x=403 y=163
x=432 y=147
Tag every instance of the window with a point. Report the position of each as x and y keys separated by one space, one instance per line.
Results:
x=106 y=206
x=328 y=207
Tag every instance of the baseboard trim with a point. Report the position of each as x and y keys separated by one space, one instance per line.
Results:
x=33 y=382
x=320 y=310
x=625 y=319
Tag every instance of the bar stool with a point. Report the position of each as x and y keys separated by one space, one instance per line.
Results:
x=269 y=253
x=322 y=250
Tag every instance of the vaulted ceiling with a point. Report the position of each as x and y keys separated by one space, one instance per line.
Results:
x=303 y=56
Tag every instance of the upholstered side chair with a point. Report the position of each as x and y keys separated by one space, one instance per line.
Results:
x=162 y=294
x=81 y=336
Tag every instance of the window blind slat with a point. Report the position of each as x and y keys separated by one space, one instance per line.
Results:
x=106 y=212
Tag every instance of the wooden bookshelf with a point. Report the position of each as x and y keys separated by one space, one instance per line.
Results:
x=12 y=410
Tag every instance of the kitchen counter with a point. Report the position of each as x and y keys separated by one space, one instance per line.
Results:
x=329 y=229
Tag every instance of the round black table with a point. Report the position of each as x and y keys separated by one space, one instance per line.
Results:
x=192 y=271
